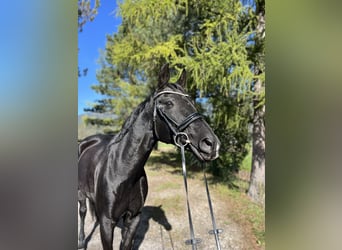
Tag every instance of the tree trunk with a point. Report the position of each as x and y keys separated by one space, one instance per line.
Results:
x=256 y=188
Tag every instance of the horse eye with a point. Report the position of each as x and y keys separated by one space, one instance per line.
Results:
x=169 y=103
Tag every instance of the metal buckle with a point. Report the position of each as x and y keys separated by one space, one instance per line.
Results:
x=216 y=231
x=194 y=241
x=178 y=139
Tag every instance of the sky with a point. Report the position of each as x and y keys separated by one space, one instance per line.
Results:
x=90 y=41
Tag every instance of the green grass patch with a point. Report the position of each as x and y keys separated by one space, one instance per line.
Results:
x=173 y=204
x=164 y=146
x=241 y=184
x=168 y=186
x=245 y=212
x=247 y=162
x=167 y=157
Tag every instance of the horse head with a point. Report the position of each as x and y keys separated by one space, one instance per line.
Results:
x=177 y=121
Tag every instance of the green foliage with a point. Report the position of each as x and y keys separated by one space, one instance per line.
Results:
x=232 y=124
x=215 y=41
x=247 y=161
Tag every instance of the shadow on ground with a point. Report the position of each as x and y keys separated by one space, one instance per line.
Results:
x=148 y=213
x=172 y=158
x=157 y=214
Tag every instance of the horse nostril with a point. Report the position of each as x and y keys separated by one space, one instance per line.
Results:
x=206 y=145
x=208 y=142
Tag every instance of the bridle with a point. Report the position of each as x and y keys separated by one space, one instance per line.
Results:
x=181 y=139
x=176 y=128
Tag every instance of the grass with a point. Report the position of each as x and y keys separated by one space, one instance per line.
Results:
x=246 y=213
x=172 y=204
x=167 y=186
x=167 y=147
x=247 y=162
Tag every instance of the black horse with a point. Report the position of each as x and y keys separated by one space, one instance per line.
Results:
x=111 y=168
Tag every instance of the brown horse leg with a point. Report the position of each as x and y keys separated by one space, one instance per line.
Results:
x=128 y=232
x=107 y=230
x=82 y=212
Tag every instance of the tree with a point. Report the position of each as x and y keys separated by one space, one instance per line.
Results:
x=215 y=41
x=134 y=55
x=256 y=188
x=86 y=13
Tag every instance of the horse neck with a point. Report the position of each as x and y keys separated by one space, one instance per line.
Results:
x=136 y=145
x=141 y=133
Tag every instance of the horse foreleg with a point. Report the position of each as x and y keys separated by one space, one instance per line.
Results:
x=106 y=231
x=128 y=232
x=82 y=212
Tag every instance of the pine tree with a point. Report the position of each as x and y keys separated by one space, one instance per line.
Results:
x=215 y=41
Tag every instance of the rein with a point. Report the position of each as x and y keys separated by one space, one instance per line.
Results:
x=181 y=140
x=215 y=231
x=192 y=241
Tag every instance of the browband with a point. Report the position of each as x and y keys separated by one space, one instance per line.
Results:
x=169 y=92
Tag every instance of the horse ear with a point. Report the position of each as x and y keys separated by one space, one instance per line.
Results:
x=182 y=79
x=164 y=75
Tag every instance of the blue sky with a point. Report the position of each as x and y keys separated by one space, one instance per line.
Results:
x=90 y=41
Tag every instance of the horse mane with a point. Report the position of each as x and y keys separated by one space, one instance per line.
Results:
x=129 y=121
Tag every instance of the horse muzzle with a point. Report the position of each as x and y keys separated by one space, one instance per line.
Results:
x=207 y=149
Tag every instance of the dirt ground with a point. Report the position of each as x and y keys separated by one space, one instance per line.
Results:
x=164 y=223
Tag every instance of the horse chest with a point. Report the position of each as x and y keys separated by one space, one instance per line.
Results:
x=130 y=190
x=124 y=194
